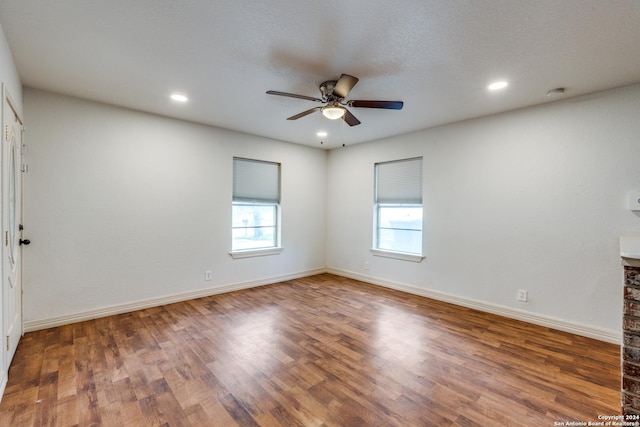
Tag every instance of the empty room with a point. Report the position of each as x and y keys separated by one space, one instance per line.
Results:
x=302 y=213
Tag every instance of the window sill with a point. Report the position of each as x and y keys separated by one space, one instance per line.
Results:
x=404 y=256
x=250 y=253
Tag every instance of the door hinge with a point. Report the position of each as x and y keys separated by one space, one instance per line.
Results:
x=8 y=338
x=6 y=238
x=25 y=168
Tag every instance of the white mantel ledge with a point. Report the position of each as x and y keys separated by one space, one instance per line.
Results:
x=630 y=248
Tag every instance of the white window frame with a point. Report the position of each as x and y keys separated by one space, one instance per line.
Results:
x=408 y=195
x=246 y=193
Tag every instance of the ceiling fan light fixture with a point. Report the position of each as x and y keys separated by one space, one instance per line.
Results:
x=334 y=94
x=333 y=112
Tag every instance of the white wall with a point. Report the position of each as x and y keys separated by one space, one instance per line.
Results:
x=123 y=206
x=533 y=199
x=8 y=73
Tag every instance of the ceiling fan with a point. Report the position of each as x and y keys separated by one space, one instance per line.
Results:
x=334 y=93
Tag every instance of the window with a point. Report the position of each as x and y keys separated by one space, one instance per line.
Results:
x=255 y=217
x=398 y=209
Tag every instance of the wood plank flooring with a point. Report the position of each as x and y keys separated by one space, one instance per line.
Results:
x=318 y=351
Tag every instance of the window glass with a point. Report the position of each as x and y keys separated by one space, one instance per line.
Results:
x=254 y=226
x=400 y=228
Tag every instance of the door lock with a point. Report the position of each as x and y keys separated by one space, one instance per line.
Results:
x=25 y=242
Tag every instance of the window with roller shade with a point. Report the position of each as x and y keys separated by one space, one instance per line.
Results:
x=398 y=206
x=255 y=215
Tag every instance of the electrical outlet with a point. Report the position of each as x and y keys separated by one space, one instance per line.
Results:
x=207 y=275
x=367 y=265
x=522 y=295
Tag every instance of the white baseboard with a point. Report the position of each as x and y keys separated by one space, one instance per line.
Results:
x=525 y=316
x=38 y=324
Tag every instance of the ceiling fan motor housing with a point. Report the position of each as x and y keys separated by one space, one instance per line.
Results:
x=326 y=88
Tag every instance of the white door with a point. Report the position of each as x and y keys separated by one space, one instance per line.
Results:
x=11 y=227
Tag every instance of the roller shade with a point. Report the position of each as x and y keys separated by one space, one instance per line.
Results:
x=399 y=181
x=256 y=181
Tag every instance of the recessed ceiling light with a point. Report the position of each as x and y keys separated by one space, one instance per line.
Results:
x=179 y=98
x=498 y=85
x=321 y=134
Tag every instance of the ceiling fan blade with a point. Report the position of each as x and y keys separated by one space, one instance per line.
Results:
x=350 y=118
x=304 y=113
x=293 y=95
x=389 y=105
x=344 y=85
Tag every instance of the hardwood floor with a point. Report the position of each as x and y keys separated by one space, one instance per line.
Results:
x=318 y=351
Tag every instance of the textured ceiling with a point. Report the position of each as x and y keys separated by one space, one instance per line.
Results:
x=437 y=56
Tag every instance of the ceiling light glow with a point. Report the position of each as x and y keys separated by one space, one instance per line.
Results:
x=498 y=85
x=179 y=98
x=321 y=134
x=333 y=112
